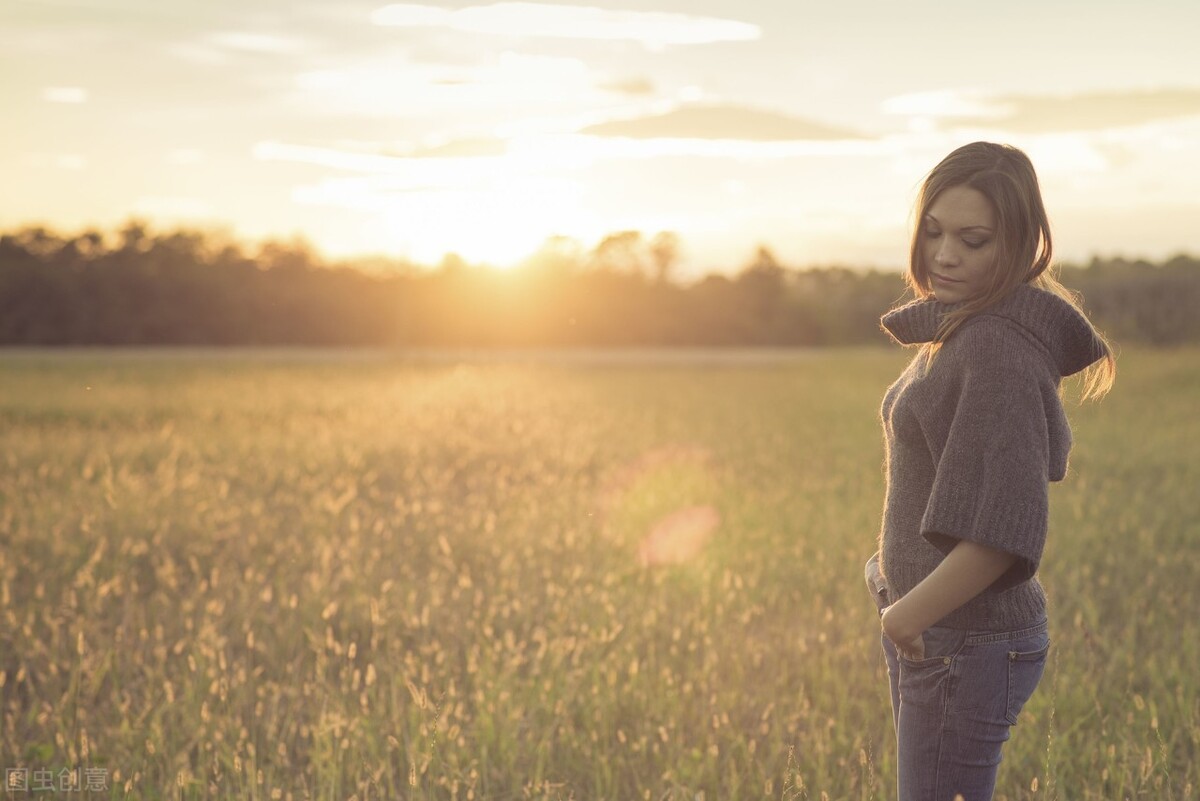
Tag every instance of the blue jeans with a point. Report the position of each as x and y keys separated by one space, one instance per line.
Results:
x=953 y=709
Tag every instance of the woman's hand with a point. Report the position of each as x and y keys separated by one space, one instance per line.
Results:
x=910 y=645
x=965 y=572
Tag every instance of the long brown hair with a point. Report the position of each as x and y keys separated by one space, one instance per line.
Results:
x=1005 y=176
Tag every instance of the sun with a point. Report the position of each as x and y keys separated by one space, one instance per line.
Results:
x=496 y=209
x=496 y=225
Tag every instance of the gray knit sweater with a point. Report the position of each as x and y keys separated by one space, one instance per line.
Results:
x=972 y=445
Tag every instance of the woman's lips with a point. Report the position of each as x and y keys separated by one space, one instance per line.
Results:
x=945 y=280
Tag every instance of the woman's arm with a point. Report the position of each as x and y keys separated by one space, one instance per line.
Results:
x=965 y=572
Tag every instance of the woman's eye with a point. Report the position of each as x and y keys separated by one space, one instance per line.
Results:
x=932 y=234
x=976 y=245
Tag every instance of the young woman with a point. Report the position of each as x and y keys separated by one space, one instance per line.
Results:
x=974 y=430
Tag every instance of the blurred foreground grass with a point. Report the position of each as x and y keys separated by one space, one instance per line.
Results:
x=268 y=576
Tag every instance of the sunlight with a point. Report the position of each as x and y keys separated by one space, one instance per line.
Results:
x=679 y=537
x=495 y=209
x=660 y=499
x=499 y=225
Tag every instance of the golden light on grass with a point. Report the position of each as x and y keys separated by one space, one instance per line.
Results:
x=679 y=537
x=660 y=505
x=394 y=580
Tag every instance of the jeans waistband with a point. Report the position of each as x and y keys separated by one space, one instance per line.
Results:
x=974 y=638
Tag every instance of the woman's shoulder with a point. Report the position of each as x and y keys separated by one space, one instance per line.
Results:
x=1032 y=320
x=996 y=343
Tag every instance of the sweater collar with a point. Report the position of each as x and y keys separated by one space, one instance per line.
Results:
x=1065 y=333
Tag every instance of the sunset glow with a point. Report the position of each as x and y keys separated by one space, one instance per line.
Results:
x=417 y=130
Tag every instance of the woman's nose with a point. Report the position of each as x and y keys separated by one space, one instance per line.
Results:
x=945 y=255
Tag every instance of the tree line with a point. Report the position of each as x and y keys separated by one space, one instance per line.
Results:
x=184 y=287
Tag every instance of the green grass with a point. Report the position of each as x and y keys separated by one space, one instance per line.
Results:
x=295 y=576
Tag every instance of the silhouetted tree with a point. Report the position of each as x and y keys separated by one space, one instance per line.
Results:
x=139 y=287
x=620 y=252
x=664 y=251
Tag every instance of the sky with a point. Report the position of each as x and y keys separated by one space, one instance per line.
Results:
x=416 y=130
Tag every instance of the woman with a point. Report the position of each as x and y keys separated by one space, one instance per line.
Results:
x=974 y=430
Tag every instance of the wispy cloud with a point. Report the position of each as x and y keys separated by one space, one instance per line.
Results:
x=1027 y=113
x=65 y=94
x=421 y=169
x=223 y=48
x=651 y=28
x=728 y=121
x=1097 y=109
x=629 y=86
x=460 y=164
x=480 y=147
x=392 y=85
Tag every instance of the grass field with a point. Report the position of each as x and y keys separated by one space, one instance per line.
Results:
x=299 y=575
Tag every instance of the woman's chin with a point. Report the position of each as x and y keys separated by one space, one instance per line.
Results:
x=953 y=294
x=946 y=296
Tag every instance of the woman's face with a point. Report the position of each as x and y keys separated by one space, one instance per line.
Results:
x=958 y=243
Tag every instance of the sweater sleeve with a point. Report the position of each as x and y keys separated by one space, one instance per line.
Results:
x=991 y=479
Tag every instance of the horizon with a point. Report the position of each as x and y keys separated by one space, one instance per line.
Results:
x=408 y=132
x=384 y=264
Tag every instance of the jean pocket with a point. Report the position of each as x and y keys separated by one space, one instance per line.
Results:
x=925 y=682
x=1025 y=670
x=941 y=645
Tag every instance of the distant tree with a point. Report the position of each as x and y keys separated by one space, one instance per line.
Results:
x=134 y=235
x=620 y=252
x=760 y=285
x=139 y=286
x=39 y=242
x=558 y=257
x=664 y=252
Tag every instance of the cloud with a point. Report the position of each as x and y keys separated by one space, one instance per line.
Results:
x=453 y=163
x=1098 y=109
x=466 y=163
x=515 y=84
x=628 y=86
x=462 y=148
x=651 y=28
x=719 y=122
x=65 y=94
x=1087 y=111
